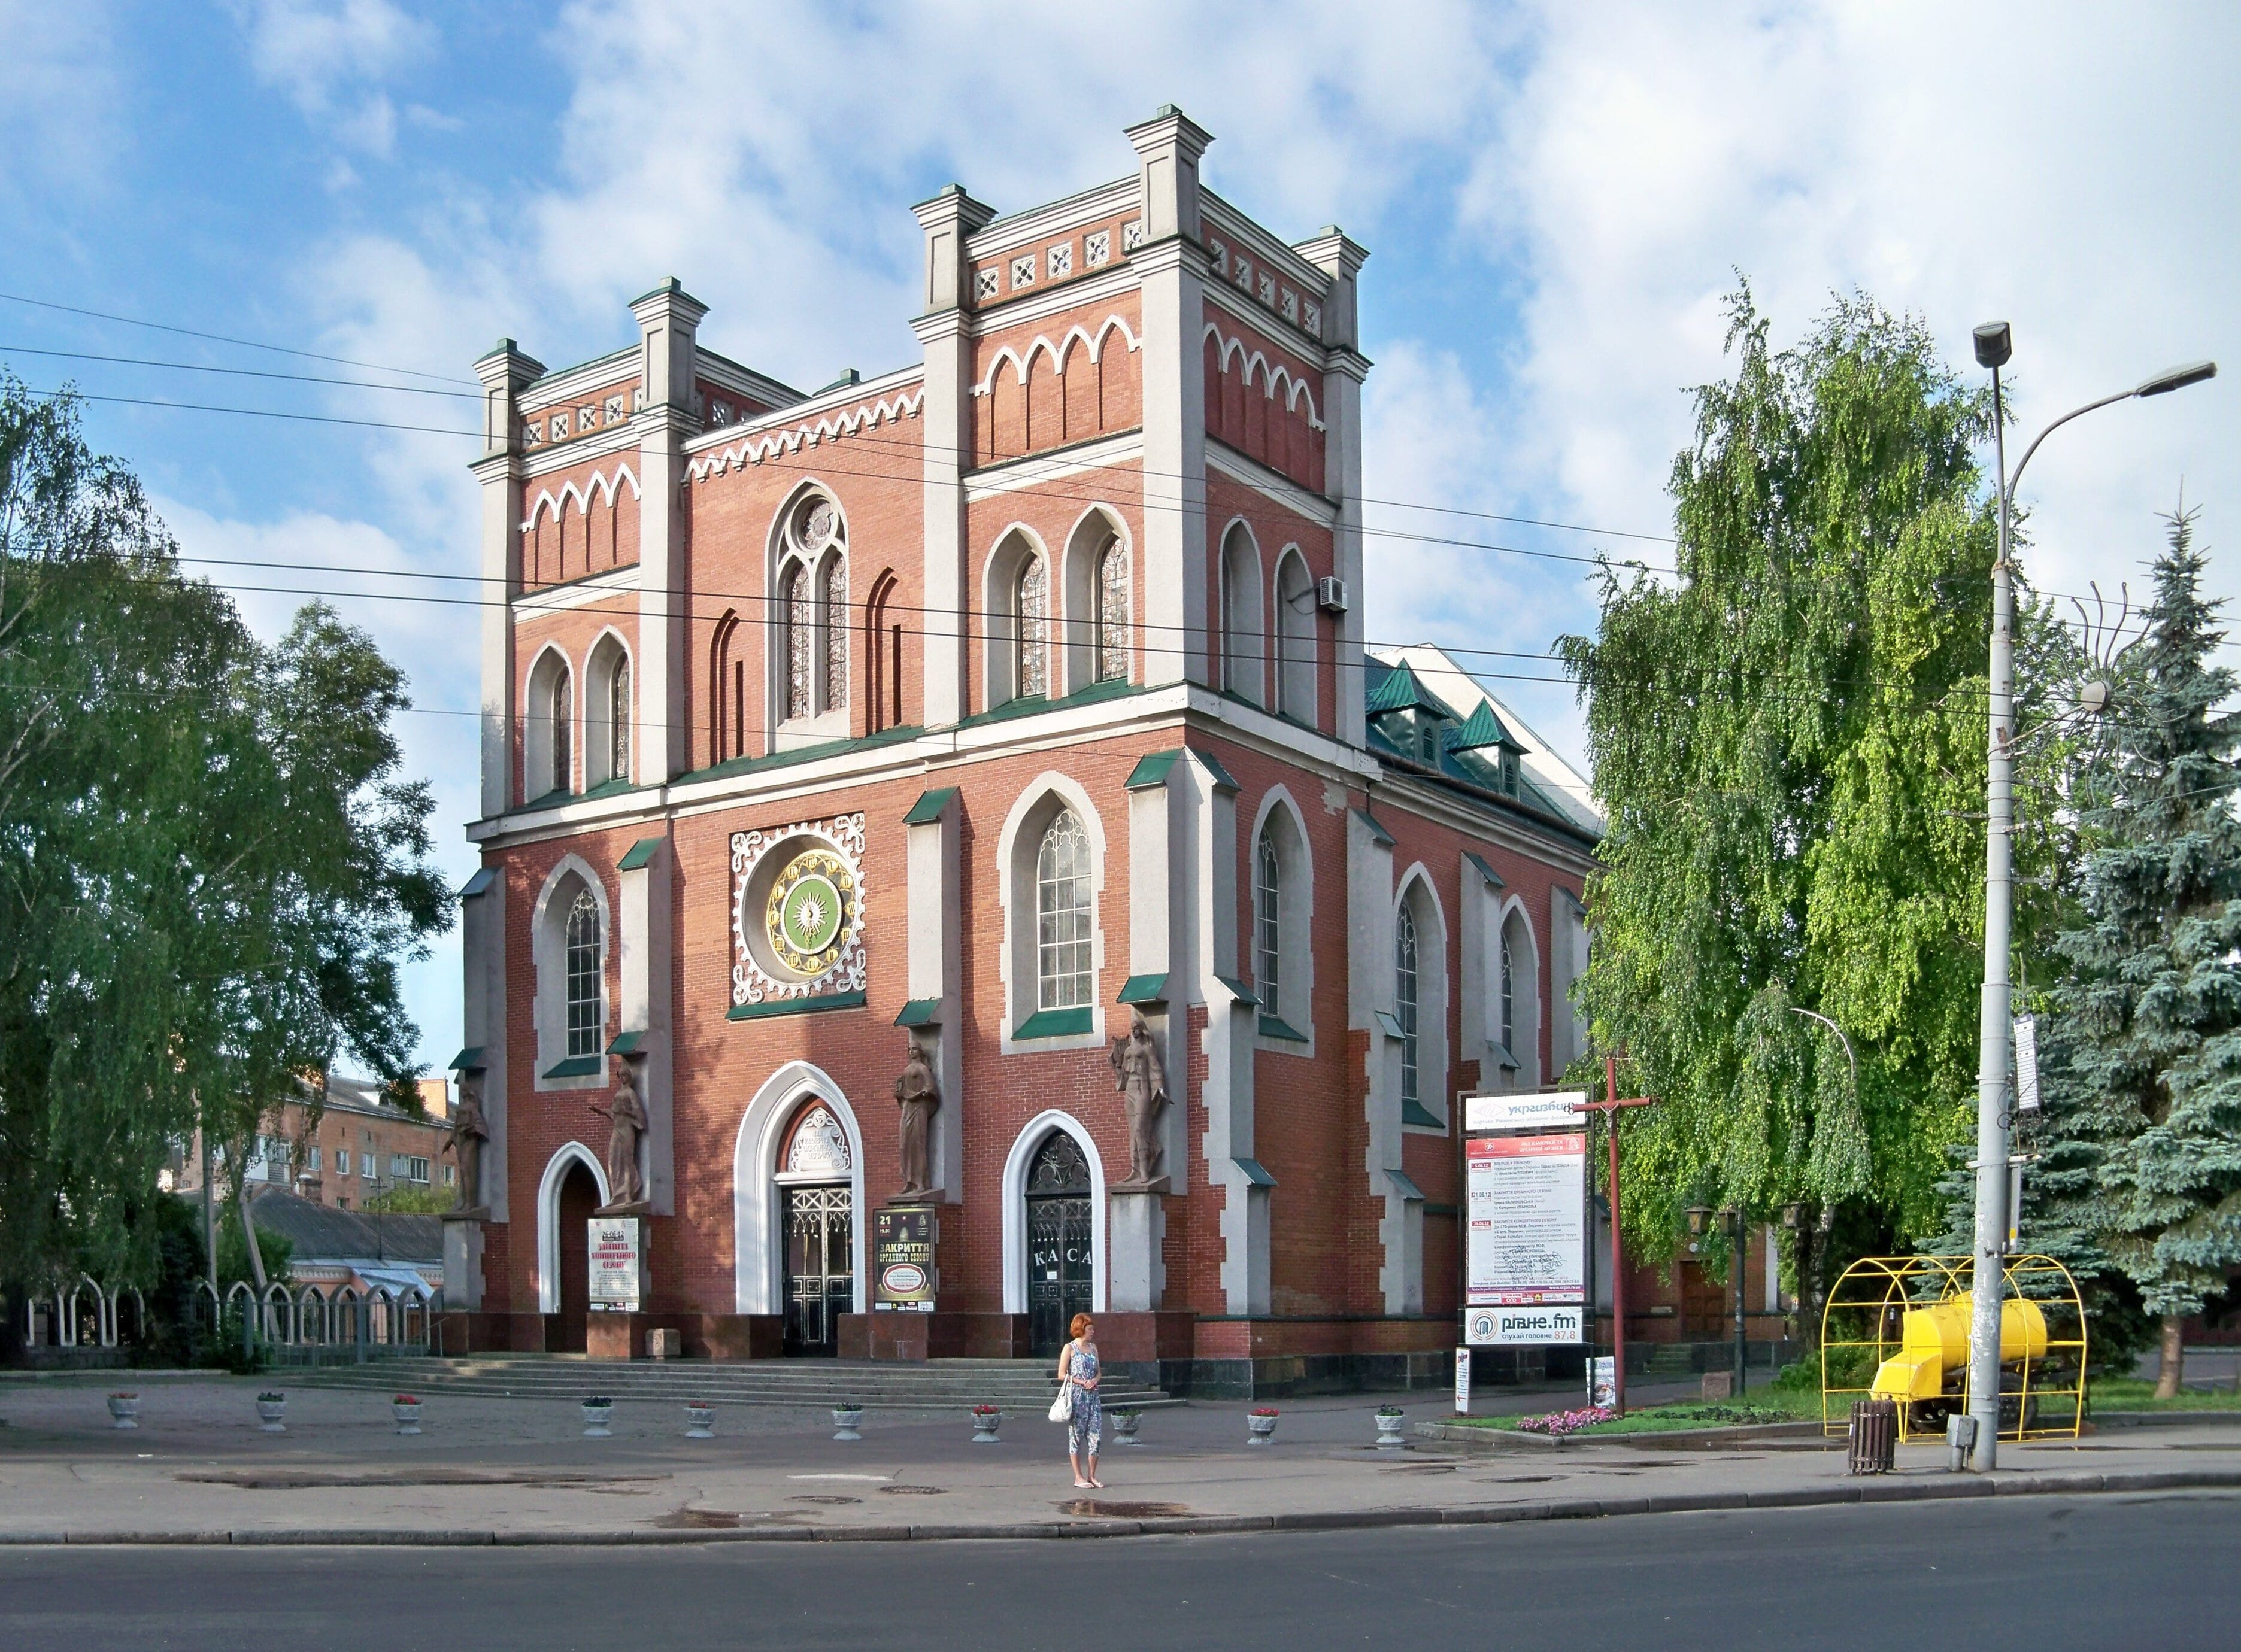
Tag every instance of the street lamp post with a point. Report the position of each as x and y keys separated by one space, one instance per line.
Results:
x=1994 y=345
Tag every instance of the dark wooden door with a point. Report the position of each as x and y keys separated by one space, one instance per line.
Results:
x=1703 y=1303
x=1061 y=1273
x=820 y=1274
x=579 y=1197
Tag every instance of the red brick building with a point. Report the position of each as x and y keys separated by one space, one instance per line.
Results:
x=981 y=705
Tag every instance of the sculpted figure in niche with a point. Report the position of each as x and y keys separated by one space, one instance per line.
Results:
x=919 y=1098
x=469 y=1131
x=1142 y=1082
x=626 y=1123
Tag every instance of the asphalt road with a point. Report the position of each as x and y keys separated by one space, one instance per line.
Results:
x=2038 y=1575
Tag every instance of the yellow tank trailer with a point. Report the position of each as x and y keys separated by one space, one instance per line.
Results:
x=1906 y=1319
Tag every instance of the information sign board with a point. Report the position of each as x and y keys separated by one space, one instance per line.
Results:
x=1527 y=1211
x=902 y=1260
x=617 y=1265
x=1531 y=1110
x=1499 y=1327
x=1603 y=1381
x=1462 y=1383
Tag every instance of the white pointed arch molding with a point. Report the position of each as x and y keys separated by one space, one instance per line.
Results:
x=549 y=1236
x=1022 y=360
x=1015 y=1207
x=598 y=482
x=758 y=1242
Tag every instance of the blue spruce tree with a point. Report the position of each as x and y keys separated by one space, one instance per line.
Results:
x=2147 y=1075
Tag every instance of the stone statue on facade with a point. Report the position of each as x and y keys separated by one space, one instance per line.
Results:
x=919 y=1098
x=470 y=1130
x=626 y=1122
x=1143 y=1081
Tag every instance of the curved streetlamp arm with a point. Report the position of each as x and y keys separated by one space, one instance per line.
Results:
x=1812 y=1015
x=2016 y=480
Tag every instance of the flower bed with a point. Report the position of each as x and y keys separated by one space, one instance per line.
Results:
x=1559 y=1423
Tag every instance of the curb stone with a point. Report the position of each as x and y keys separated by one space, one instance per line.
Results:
x=1896 y=1490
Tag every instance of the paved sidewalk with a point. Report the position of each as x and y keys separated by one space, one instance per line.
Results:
x=519 y=1471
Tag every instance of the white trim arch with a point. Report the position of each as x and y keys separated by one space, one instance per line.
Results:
x=1077 y=611
x=1001 y=651
x=599 y=659
x=1017 y=845
x=544 y=771
x=1434 y=991
x=548 y=952
x=825 y=721
x=1259 y=369
x=1038 y=1129
x=1022 y=357
x=548 y=1217
x=1244 y=630
x=596 y=483
x=758 y=1247
x=1296 y=916
x=1294 y=666
x=1526 y=993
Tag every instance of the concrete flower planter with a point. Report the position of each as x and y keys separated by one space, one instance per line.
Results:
x=1260 y=1427
x=1389 y=1430
x=699 y=1420
x=124 y=1410
x=1124 y=1426
x=407 y=1413
x=596 y=1415
x=985 y=1424
x=271 y=1413
x=845 y=1419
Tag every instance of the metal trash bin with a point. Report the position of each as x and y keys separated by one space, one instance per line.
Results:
x=1874 y=1436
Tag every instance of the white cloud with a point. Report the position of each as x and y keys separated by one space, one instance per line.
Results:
x=59 y=94
x=330 y=55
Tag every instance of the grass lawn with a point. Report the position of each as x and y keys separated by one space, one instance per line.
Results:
x=1759 y=1405
x=2127 y=1393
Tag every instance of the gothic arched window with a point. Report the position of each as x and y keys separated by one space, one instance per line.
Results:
x=1032 y=607
x=1509 y=998
x=1062 y=916
x=1267 y=931
x=1404 y=999
x=619 y=721
x=561 y=711
x=585 y=1022
x=1113 y=612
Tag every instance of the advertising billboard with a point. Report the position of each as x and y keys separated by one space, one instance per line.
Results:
x=1527 y=1206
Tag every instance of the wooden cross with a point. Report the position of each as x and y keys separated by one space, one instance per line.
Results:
x=1609 y=1106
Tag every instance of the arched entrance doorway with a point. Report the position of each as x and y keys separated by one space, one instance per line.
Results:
x=1061 y=1269
x=579 y=1198
x=816 y=1220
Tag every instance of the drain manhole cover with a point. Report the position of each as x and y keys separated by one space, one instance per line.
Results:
x=821 y=1497
x=913 y=1491
x=1097 y=1509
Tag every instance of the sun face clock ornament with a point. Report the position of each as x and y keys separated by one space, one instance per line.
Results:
x=797 y=911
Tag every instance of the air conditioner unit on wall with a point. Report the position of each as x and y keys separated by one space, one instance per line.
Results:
x=1330 y=594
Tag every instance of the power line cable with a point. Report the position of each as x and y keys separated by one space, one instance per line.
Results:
x=222 y=338
x=237 y=372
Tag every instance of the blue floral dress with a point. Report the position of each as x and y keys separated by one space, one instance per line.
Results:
x=1087 y=1423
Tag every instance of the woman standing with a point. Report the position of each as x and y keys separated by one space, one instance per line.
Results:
x=1077 y=1368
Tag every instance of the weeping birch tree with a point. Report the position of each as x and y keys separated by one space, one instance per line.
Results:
x=1788 y=739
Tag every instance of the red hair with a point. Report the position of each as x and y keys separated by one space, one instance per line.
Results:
x=1081 y=1322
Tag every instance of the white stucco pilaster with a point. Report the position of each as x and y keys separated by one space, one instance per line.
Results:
x=647 y=964
x=505 y=371
x=1170 y=265
x=482 y=947
x=669 y=319
x=1568 y=962
x=1341 y=260
x=1369 y=1007
x=945 y=334
x=1478 y=926
x=932 y=855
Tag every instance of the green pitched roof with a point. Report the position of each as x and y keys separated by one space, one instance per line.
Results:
x=1400 y=692
x=1481 y=728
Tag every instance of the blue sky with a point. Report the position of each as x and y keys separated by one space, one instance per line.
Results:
x=1556 y=197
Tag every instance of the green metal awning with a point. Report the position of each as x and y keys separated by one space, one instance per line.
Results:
x=928 y=808
x=921 y=1011
x=468 y=1060
x=640 y=854
x=1144 y=989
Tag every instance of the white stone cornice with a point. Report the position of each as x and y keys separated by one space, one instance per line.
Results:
x=1002 y=235
x=1034 y=471
x=626 y=437
x=1249 y=313
x=571 y=383
x=583 y=592
x=1176 y=252
x=1106 y=286
x=1280 y=488
x=1267 y=247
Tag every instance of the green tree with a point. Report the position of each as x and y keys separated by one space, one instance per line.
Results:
x=211 y=868
x=1788 y=741
x=2143 y=1134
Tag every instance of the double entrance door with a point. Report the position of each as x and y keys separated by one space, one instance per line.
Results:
x=820 y=1278
x=1061 y=1276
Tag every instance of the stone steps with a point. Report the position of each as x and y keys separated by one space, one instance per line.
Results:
x=1013 y=1384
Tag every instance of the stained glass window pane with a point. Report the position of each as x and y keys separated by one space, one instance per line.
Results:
x=1404 y=998
x=1112 y=613
x=795 y=595
x=835 y=596
x=1062 y=916
x=583 y=975
x=1508 y=1001
x=1034 y=608
x=619 y=722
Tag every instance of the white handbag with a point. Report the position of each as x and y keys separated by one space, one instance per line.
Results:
x=1062 y=1408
